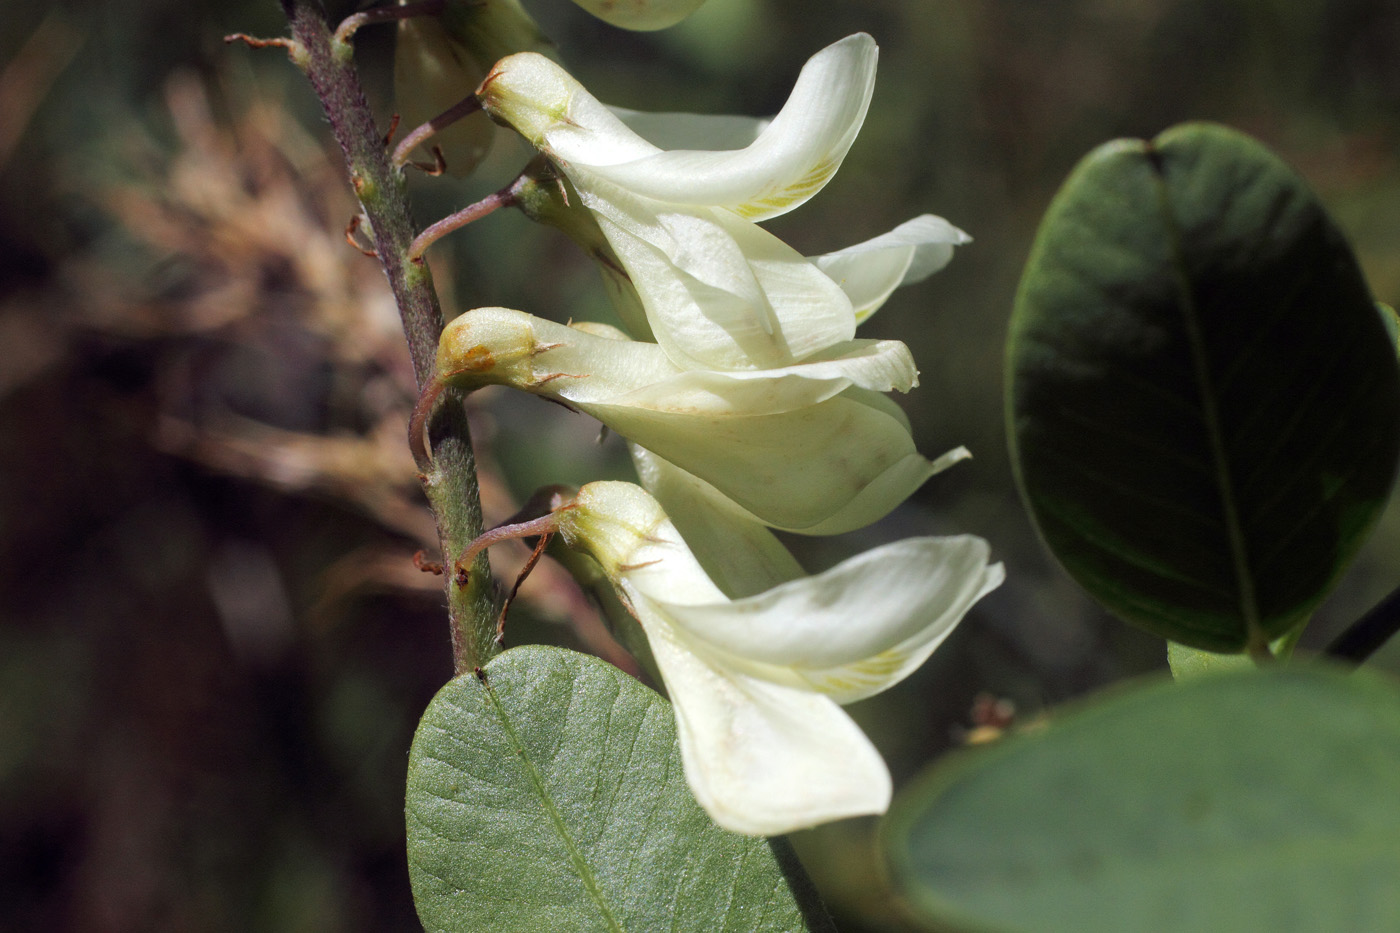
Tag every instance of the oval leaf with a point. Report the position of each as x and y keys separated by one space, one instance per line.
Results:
x=1205 y=411
x=548 y=795
x=1256 y=801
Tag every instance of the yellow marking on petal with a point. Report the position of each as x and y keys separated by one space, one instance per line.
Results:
x=866 y=672
x=817 y=176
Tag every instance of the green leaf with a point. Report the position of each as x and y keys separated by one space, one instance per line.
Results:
x=1188 y=662
x=1203 y=404
x=1240 y=802
x=548 y=795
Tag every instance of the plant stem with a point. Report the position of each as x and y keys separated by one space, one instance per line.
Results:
x=450 y=484
x=1367 y=634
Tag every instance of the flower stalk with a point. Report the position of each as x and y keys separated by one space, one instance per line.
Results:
x=422 y=133
x=456 y=221
x=450 y=483
x=352 y=24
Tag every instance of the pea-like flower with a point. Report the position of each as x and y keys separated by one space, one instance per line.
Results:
x=756 y=683
x=811 y=447
x=719 y=292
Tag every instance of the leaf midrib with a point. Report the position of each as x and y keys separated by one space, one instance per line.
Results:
x=580 y=863
x=1190 y=314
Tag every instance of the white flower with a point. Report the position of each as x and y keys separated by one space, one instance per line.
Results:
x=756 y=682
x=868 y=272
x=717 y=291
x=812 y=447
x=738 y=553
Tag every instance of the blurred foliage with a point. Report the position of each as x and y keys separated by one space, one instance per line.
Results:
x=213 y=642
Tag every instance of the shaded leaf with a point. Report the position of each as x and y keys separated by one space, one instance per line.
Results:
x=1205 y=411
x=1255 y=801
x=549 y=796
x=1192 y=662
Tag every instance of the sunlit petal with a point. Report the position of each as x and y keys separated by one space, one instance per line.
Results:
x=737 y=552
x=693 y=130
x=816 y=455
x=763 y=758
x=790 y=161
x=719 y=292
x=868 y=272
x=753 y=681
x=861 y=626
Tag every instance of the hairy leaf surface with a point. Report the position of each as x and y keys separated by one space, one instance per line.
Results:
x=547 y=795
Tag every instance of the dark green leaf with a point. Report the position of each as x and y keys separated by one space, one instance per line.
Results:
x=549 y=797
x=1239 y=802
x=1205 y=411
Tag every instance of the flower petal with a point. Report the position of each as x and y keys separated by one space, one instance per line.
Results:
x=740 y=555
x=882 y=494
x=555 y=113
x=876 y=365
x=816 y=455
x=822 y=469
x=693 y=130
x=587 y=362
x=860 y=627
x=718 y=291
x=762 y=758
x=868 y=272
x=789 y=162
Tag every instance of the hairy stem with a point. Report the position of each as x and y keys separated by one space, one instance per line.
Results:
x=473 y=212
x=450 y=483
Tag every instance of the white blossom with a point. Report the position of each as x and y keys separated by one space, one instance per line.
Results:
x=812 y=447
x=719 y=292
x=756 y=683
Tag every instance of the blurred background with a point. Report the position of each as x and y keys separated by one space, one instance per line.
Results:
x=214 y=645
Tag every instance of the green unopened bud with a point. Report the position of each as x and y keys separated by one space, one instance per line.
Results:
x=528 y=93
x=612 y=522
x=641 y=15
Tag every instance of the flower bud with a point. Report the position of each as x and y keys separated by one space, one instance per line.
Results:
x=488 y=346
